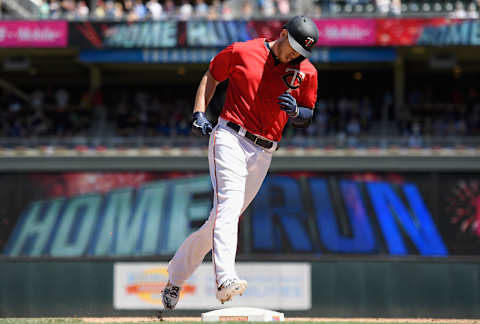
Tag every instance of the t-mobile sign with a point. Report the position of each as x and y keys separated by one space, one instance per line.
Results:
x=346 y=32
x=33 y=34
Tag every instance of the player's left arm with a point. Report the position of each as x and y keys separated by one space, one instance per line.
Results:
x=301 y=112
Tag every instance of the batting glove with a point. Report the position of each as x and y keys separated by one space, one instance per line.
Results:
x=288 y=104
x=200 y=124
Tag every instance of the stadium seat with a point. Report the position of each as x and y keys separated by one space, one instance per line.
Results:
x=437 y=7
x=336 y=8
x=370 y=8
x=347 y=8
x=359 y=8
x=413 y=7
x=426 y=7
x=448 y=6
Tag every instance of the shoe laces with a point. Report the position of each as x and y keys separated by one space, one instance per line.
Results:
x=173 y=291
x=227 y=283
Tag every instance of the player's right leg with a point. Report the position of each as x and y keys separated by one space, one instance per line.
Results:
x=170 y=296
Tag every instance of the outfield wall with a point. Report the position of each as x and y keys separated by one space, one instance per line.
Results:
x=340 y=288
x=356 y=270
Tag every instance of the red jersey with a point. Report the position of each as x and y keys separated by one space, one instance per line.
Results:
x=255 y=82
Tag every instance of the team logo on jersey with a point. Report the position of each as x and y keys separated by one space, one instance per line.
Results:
x=293 y=78
x=309 y=41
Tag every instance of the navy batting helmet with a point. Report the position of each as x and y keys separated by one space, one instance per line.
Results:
x=302 y=34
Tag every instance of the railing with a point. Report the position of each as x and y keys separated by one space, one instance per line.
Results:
x=30 y=5
x=23 y=8
x=16 y=8
x=326 y=142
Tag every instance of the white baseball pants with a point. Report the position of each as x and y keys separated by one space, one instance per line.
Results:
x=237 y=169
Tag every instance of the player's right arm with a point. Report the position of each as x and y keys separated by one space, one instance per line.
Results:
x=218 y=71
x=205 y=92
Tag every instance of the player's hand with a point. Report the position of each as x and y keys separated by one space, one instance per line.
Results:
x=288 y=104
x=200 y=124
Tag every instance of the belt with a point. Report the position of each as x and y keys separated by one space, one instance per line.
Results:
x=254 y=138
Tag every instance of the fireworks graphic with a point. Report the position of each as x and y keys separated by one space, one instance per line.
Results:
x=464 y=207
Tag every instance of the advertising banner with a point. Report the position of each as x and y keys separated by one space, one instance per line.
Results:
x=354 y=54
x=148 y=34
x=197 y=34
x=159 y=34
x=281 y=286
x=393 y=32
x=204 y=55
x=217 y=34
x=346 y=32
x=150 y=213
x=427 y=31
x=161 y=55
x=20 y=34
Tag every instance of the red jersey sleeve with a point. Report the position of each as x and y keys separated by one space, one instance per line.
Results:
x=308 y=92
x=220 y=65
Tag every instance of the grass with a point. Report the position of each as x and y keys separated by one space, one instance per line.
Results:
x=41 y=321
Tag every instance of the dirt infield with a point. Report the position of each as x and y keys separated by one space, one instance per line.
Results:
x=380 y=320
x=138 y=319
x=287 y=319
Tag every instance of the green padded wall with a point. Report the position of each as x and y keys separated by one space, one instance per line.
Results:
x=340 y=288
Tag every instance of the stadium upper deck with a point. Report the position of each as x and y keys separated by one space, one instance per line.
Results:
x=390 y=88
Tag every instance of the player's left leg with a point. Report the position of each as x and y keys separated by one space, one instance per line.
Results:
x=186 y=260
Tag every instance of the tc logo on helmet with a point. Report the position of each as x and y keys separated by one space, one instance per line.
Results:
x=309 y=41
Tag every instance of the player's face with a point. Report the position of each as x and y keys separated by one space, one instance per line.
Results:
x=285 y=52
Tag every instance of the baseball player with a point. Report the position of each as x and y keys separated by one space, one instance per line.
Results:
x=270 y=82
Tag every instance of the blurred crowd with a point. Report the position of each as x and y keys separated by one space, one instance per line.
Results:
x=134 y=10
x=137 y=10
x=146 y=113
x=66 y=113
x=422 y=118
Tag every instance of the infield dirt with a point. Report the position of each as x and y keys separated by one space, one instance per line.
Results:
x=289 y=319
